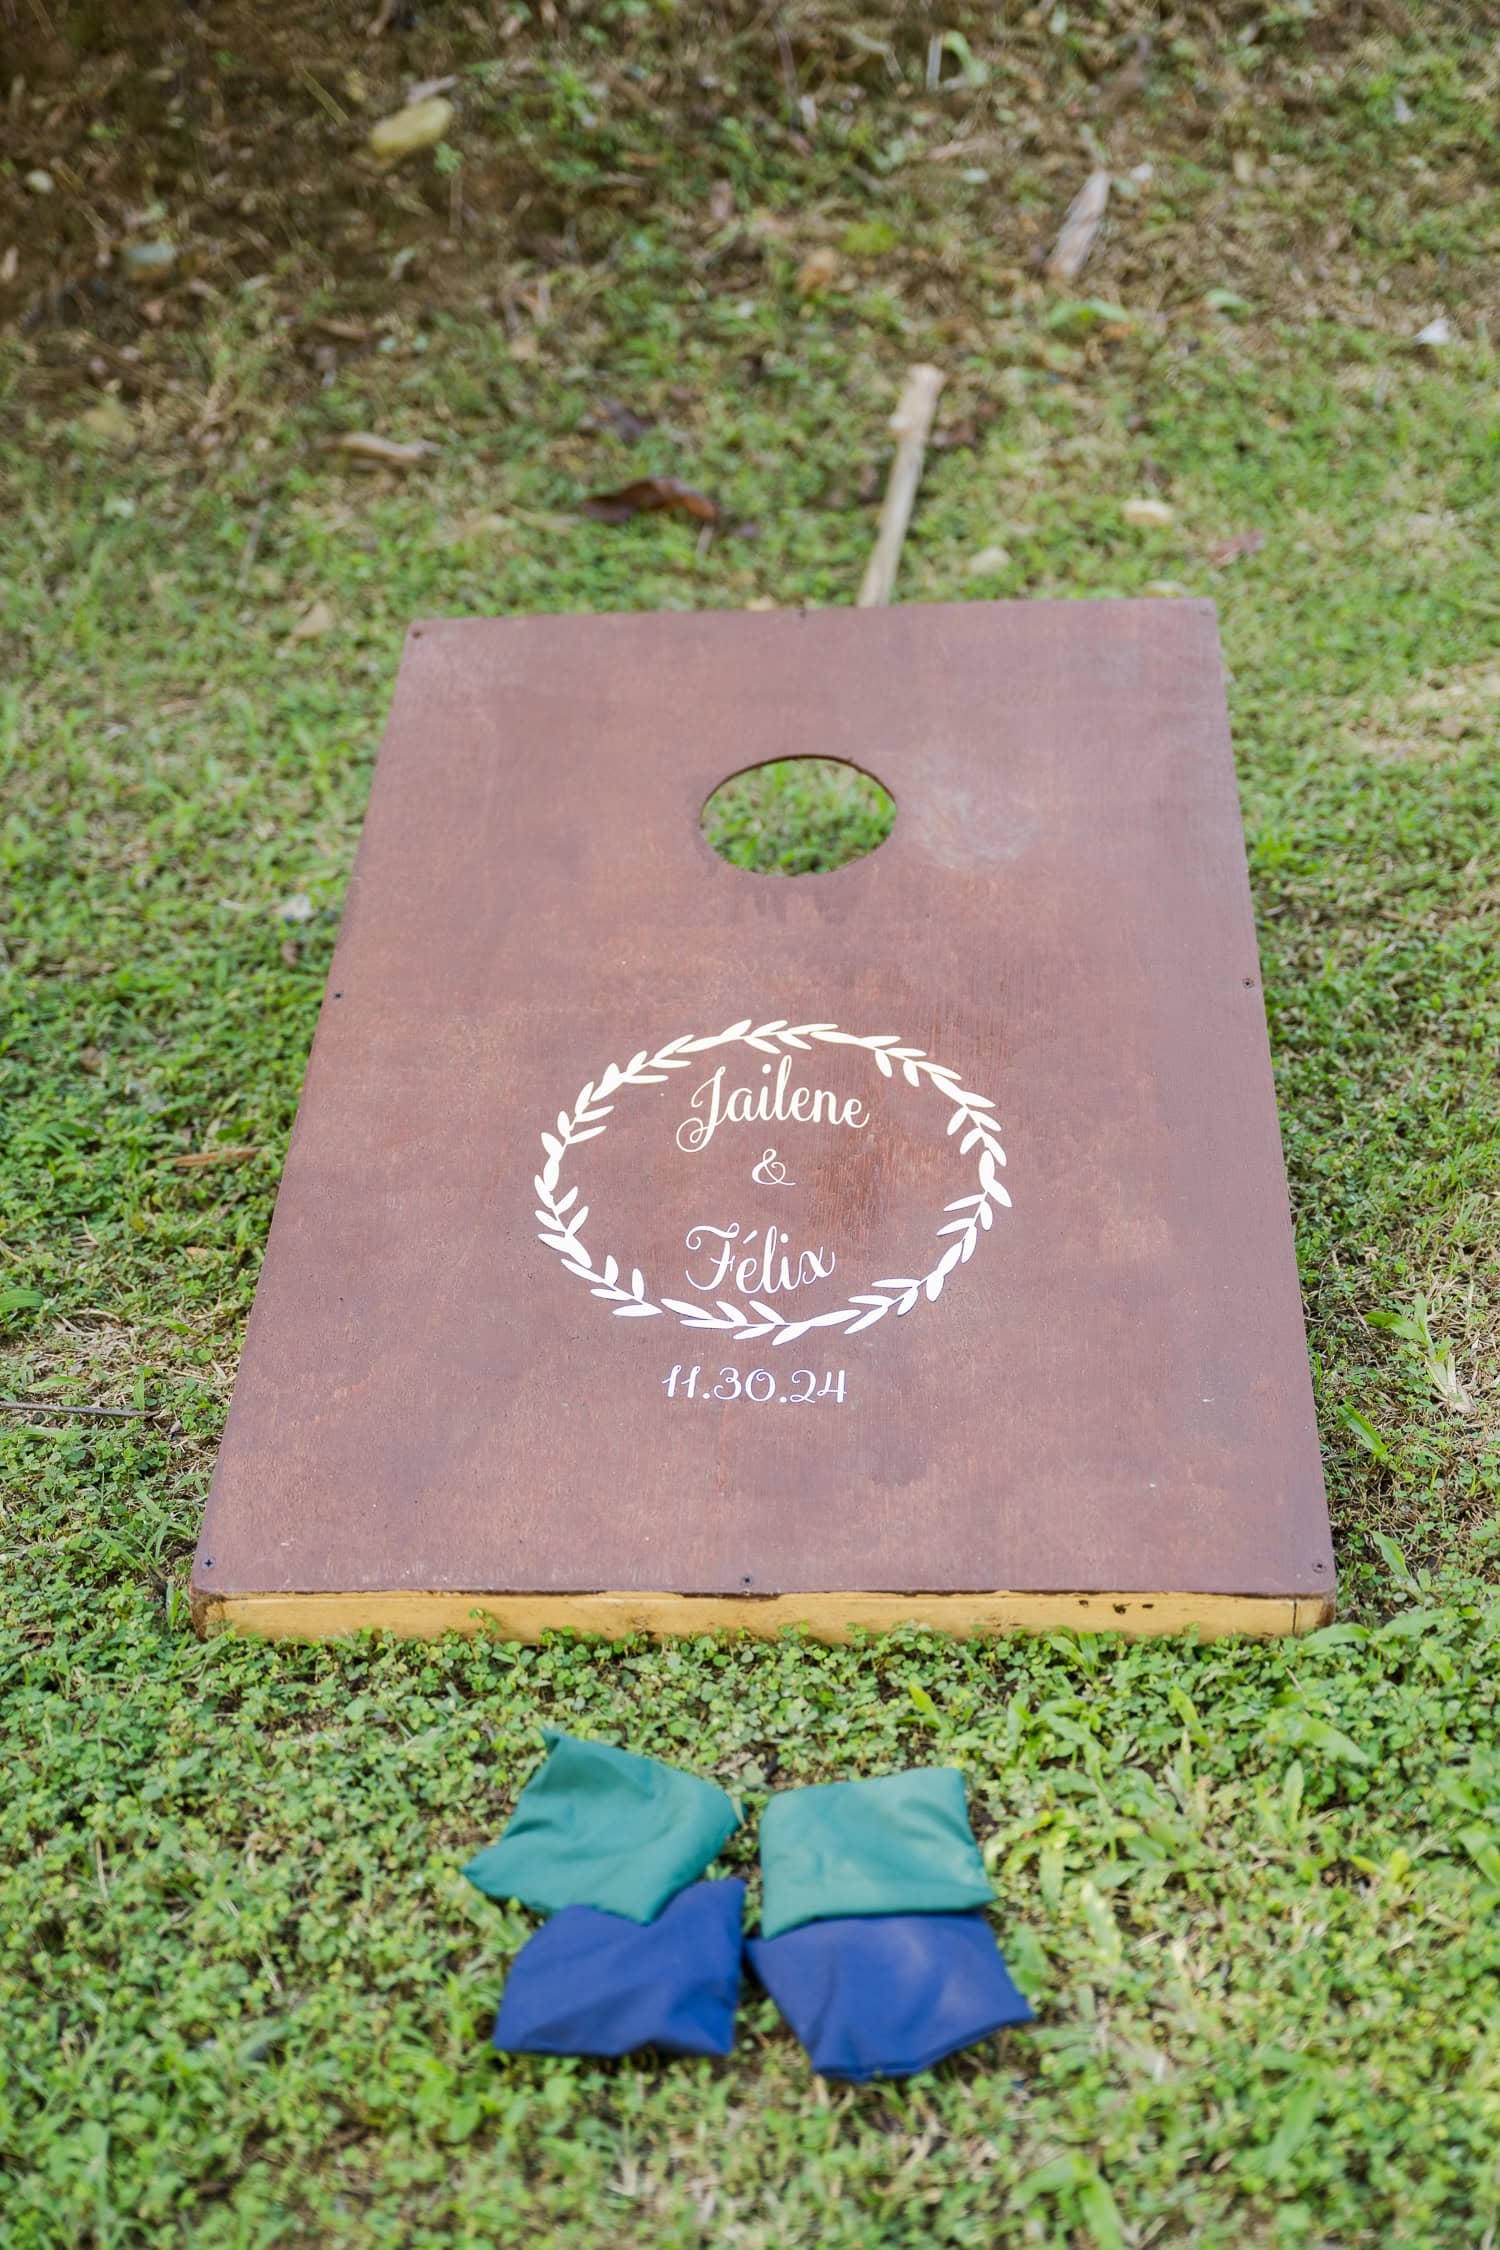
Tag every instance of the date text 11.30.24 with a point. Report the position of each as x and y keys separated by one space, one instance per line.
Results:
x=759 y=1386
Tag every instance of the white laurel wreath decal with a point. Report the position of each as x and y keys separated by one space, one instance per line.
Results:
x=561 y=1217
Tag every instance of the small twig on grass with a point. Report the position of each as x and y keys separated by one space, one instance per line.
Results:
x=211 y=1156
x=45 y=1406
x=951 y=149
x=322 y=96
x=386 y=453
x=788 y=70
x=912 y=423
x=252 y=542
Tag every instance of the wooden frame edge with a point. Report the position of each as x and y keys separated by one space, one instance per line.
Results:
x=828 y=1617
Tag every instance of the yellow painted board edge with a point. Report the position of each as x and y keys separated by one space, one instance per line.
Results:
x=828 y=1617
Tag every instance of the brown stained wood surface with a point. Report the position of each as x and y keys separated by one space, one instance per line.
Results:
x=1109 y=1397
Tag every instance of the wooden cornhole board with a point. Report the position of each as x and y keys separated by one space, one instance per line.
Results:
x=646 y=1255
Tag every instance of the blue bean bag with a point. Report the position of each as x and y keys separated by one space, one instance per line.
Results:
x=596 y=1826
x=598 y=1984
x=885 y=1995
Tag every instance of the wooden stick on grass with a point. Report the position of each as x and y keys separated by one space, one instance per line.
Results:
x=912 y=423
x=55 y=1406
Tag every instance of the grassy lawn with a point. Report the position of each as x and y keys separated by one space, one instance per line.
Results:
x=1253 y=1891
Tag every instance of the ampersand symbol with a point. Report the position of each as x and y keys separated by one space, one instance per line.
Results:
x=771 y=1172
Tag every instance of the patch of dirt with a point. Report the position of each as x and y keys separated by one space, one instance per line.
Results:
x=168 y=162
x=1436 y=719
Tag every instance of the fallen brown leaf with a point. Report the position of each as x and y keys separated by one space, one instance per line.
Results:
x=315 y=619
x=818 y=270
x=967 y=430
x=612 y=415
x=211 y=1156
x=651 y=496
x=1129 y=82
x=1235 y=548
x=385 y=452
x=109 y=422
x=1084 y=218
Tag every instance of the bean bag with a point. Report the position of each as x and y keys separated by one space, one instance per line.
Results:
x=601 y=1827
x=885 y=1995
x=898 y=1845
x=599 y=1984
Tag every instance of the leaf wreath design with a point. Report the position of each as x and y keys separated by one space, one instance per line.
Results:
x=561 y=1217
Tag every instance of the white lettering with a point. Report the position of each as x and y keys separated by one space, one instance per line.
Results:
x=763 y=1271
x=782 y=1103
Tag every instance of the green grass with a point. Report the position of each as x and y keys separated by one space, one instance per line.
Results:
x=1253 y=1891
x=797 y=815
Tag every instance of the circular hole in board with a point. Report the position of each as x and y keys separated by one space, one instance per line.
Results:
x=797 y=816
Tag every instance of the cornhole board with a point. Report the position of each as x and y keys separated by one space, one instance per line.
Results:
x=667 y=1246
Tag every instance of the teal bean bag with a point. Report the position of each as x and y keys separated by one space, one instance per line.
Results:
x=898 y=1845
x=601 y=1827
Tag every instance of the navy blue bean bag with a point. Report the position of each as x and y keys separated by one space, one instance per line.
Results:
x=590 y=1983
x=885 y=1995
